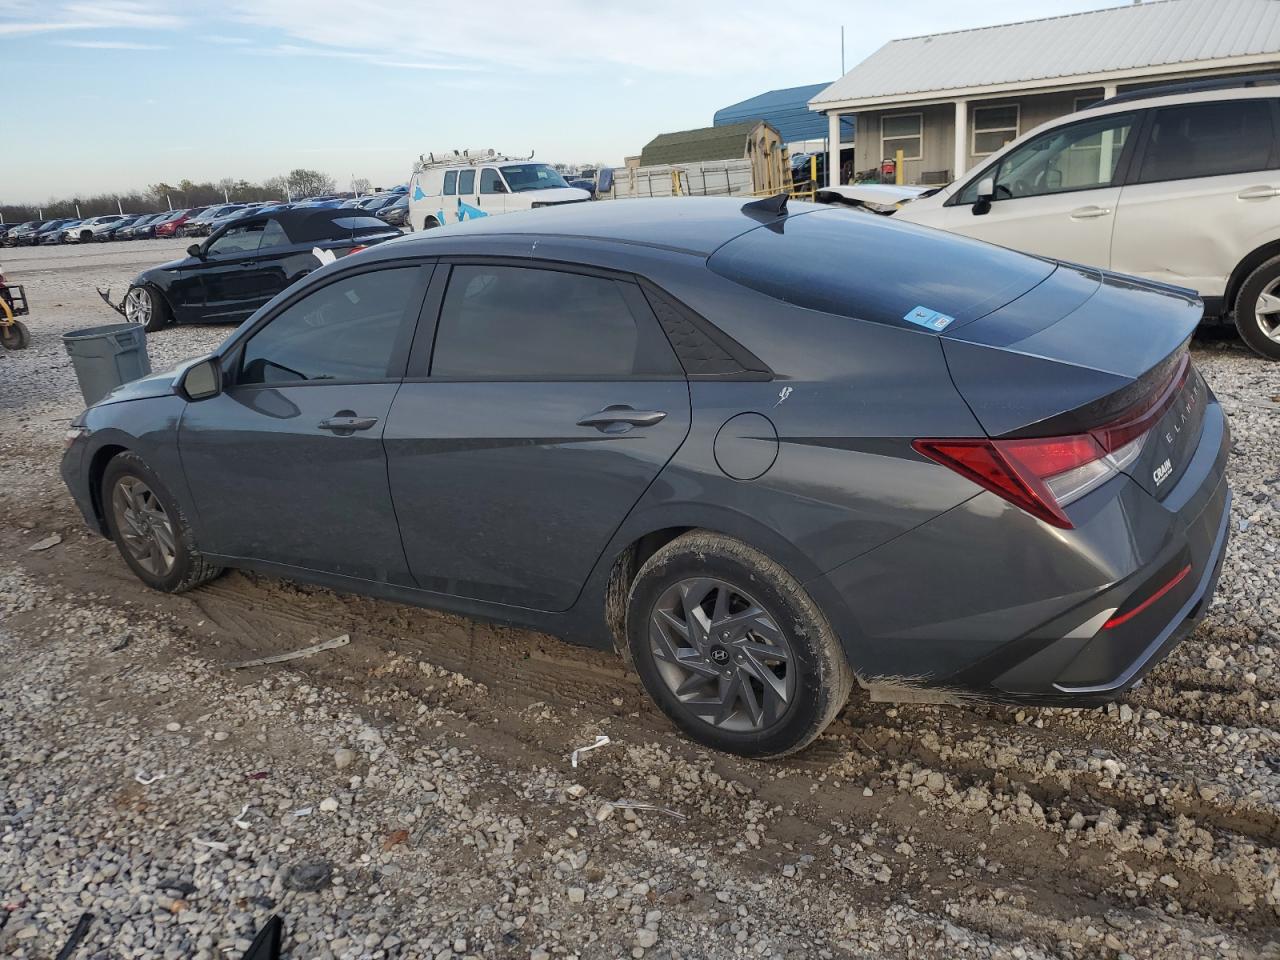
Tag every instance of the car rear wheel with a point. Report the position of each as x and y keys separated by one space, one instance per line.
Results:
x=145 y=306
x=1258 y=310
x=732 y=649
x=149 y=529
x=430 y=223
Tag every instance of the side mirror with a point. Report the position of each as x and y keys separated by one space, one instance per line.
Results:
x=201 y=380
x=195 y=250
x=986 y=193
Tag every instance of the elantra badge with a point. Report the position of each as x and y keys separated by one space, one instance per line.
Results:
x=1162 y=472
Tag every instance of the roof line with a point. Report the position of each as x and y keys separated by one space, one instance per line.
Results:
x=1144 y=4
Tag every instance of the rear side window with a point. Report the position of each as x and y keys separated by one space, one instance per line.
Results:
x=523 y=323
x=466 y=181
x=450 y=183
x=346 y=330
x=273 y=235
x=1208 y=140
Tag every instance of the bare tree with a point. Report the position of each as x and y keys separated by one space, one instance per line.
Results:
x=309 y=183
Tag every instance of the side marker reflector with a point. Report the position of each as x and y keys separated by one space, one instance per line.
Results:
x=1126 y=617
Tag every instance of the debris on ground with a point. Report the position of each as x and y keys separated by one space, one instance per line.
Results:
x=310 y=651
x=601 y=741
x=50 y=541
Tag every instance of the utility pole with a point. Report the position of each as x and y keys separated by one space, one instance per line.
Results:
x=168 y=201
x=225 y=198
x=77 y=203
x=119 y=209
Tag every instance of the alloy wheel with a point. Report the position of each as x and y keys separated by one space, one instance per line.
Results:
x=137 y=306
x=722 y=655
x=1267 y=310
x=144 y=525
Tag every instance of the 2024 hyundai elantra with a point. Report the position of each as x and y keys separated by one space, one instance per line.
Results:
x=764 y=452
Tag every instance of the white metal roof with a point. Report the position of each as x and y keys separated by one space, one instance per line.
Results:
x=1136 y=38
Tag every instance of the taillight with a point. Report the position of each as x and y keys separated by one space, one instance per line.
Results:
x=357 y=249
x=1044 y=474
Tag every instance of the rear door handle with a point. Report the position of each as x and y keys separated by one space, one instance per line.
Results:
x=622 y=416
x=1089 y=213
x=345 y=424
x=1258 y=193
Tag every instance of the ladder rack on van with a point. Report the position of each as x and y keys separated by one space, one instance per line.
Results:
x=462 y=158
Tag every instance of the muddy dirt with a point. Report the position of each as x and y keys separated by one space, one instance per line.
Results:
x=457 y=826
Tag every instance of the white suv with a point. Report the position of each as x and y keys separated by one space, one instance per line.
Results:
x=1180 y=186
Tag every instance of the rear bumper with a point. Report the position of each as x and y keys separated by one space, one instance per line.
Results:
x=988 y=602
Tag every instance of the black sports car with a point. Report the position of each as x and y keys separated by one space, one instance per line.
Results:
x=244 y=264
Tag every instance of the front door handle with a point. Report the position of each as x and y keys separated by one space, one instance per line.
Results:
x=345 y=422
x=619 y=417
x=1258 y=193
x=1089 y=213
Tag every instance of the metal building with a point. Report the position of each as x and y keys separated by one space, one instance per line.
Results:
x=787 y=111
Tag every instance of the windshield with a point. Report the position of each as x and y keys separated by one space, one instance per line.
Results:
x=532 y=176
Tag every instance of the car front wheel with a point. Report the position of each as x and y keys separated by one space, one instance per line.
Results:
x=732 y=649
x=149 y=528
x=1258 y=309
x=145 y=306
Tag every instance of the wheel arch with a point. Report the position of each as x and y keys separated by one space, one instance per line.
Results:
x=1244 y=268
x=97 y=469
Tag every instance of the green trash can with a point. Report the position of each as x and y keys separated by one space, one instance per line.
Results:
x=105 y=357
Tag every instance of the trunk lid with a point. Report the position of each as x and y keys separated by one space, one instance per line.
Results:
x=1083 y=350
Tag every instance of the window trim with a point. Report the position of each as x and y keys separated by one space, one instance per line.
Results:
x=974 y=131
x=1124 y=166
x=1140 y=155
x=919 y=115
x=422 y=356
x=232 y=355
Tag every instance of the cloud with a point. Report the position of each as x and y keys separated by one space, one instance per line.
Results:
x=24 y=18
x=552 y=36
x=111 y=45
x=379 y=59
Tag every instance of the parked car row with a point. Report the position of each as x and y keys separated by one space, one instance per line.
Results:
x=391 y=207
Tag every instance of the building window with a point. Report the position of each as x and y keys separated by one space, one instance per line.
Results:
x=1084 y=103
x=993 y=127
x=901 y=131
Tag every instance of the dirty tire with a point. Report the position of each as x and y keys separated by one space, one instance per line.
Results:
x=1264 y=279
x=190 y=568
x=822 y=677
x=15 y=335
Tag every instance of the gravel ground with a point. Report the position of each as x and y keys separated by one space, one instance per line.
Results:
x=410 y=794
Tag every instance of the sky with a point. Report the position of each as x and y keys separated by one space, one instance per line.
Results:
x=114 y=95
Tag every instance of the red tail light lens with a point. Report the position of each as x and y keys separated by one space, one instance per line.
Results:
x=1044 y=474
x=357 y=249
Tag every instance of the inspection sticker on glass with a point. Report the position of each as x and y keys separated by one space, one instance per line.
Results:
x=932 y=319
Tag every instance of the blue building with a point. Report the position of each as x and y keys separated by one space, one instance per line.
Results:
x=787 y=111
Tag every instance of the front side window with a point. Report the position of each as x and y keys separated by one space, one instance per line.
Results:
x=490 y=181
x=993 y=127
x=531 y=176
x=273 y=235
x=450 y=182
x=1079 y=156
x=903 y=132
x=346 y=330
x=466 y=182
x=242 y=239
x=1208 y=140
x=524 y=323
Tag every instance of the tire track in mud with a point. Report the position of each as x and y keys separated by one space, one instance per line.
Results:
x=537 y=696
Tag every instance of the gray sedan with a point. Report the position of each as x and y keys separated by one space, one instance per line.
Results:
x=765 y=452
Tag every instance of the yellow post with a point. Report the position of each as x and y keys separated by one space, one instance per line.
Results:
x=899 y=175
x=813 y=171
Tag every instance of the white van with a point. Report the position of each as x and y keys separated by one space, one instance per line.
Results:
x=464 y=189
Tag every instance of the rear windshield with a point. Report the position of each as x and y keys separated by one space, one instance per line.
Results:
x=866 y=266
x=357 y=224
